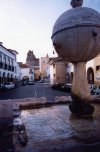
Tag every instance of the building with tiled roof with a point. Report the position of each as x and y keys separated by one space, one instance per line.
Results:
x=24 y=66
x=27 y=72
x=9 y=69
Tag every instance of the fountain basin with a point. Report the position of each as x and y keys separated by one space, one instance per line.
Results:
x=56 y=123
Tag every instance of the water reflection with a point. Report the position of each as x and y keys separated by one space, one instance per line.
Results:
x=56 y=122
x=82 y=128
x=87 y=129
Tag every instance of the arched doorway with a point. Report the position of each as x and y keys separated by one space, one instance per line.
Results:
x=68 y=77
x=90 y=75
x=25 y=79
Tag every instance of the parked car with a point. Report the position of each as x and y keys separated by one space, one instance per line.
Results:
x=9 y=85
x=91 y=87
x=95 y=90
x=57 y=86
x=23 y=83
x=66 y=88
x=1 y=86
x=41 y=81
x=62 y=87
x=30 y=82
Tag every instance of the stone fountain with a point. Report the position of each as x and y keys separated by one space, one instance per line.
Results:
x=75 y=37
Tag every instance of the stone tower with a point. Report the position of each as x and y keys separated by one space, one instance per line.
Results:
x=30 y=58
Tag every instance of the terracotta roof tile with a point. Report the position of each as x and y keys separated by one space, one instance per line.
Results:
x=24 y=66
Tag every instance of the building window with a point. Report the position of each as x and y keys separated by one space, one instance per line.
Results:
x=5 y=62
x=4 y=59
x=12 y=68
x=31 y=72
x=53 y=65
x=12 y=62
x=0 y=57
x=8 y=61
x=97 y=67
x=54 y=75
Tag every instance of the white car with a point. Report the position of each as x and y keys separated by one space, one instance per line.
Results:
x=41 y=81
x=30 y=82
x=9 y=85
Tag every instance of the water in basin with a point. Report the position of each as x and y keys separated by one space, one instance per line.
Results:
x=56 y=122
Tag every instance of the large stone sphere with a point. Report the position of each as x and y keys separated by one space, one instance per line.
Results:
x=76 y=34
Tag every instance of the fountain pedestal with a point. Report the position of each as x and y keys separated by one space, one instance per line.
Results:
x=81 y=109
x=80 y=91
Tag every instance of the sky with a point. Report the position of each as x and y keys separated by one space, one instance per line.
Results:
x=27 y=24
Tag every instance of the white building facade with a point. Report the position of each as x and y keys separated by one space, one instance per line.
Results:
x=27 y=73
x=8 y=65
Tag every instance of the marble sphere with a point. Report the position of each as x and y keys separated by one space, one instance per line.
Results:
x=76 y=34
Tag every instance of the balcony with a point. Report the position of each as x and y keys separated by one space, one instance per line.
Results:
x=12 y=68
x=9 y=67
